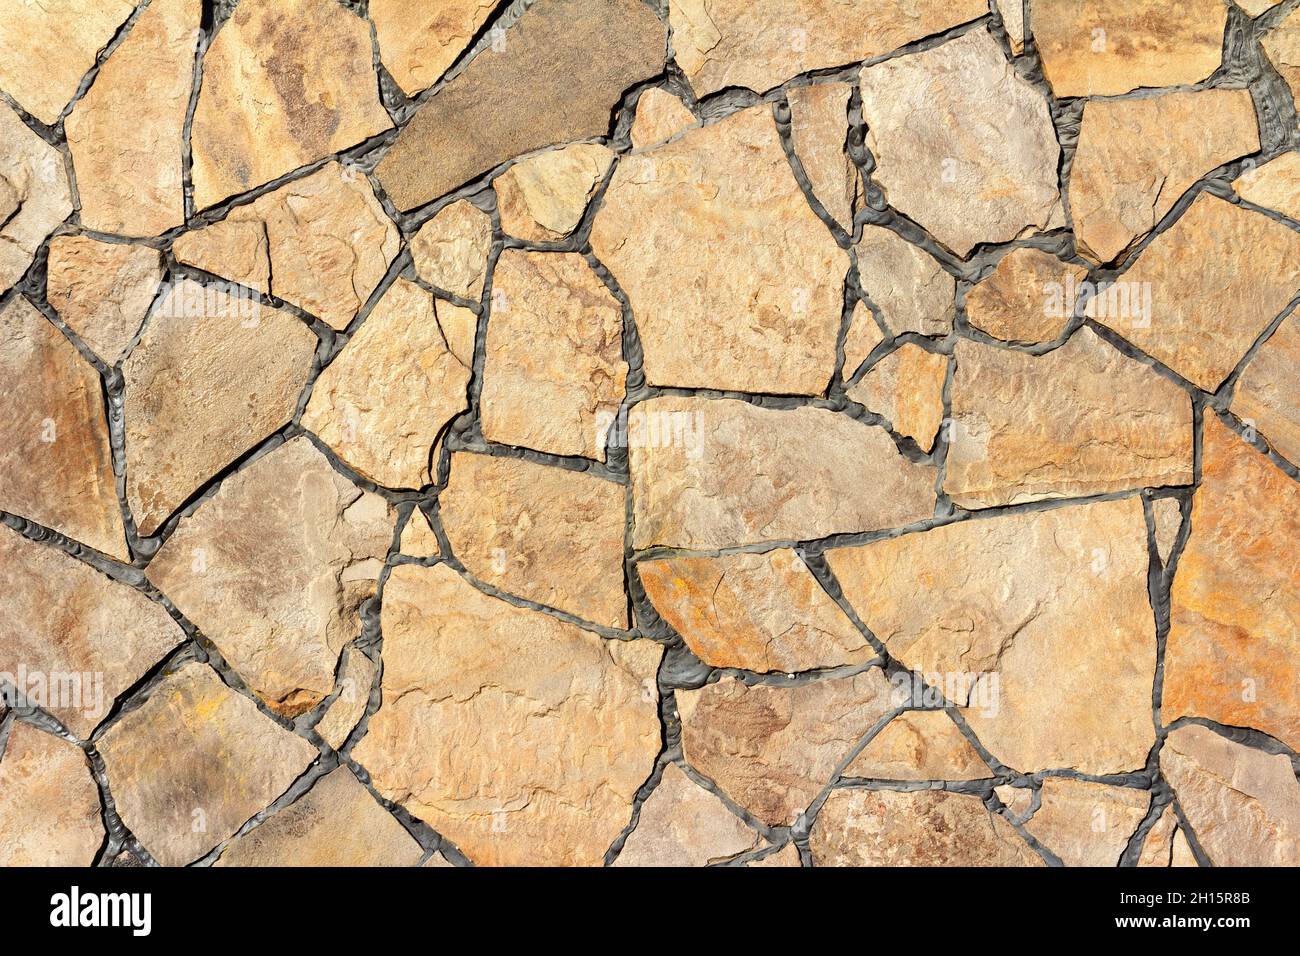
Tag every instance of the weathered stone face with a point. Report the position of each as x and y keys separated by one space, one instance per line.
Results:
x=1027 y=298
x=34 y=194
x=906 y=389
x=49 y=803
x=1086 y=823
x=1267 y=397
x=907 y=285
x=419 y=42
x=919 y=745
x=450 y=251
x=541 y=198
x=103 y=290
x=819 y=132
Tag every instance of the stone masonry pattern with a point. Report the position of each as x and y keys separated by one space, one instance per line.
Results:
x=679 y=433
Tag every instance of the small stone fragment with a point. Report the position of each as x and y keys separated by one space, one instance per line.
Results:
x=555 y=77
x=127 y=134
x=722 y=43
x=659 y=115
x=356 y=677
x=993 y=610
x=1282 y=44
x=760 y=612
x=1019 y=801
x=1136 y=157
x=34 y=192
x=193 y=763
x=771 y=748
x=1167 y=516
x=906 y=389
x=56 y=467
x=459 y=327
x=211 y=377
x=418 y=539
x=733 y=281
x=919 y=745
x=787 y=856
x=385 y=400
x=554 y=374
x=682 y=824
x=49 y=803
x=911 y=290
x=571 y=721
x=862 y=338
x=336 y=823
x=1192 y=303
x=450 y=251
x=1083 y=419
x=1086 y=823
x=1233 y=652
x=1165 y=843
x=103 y=290
x=1275 y=185
x=419 y=42
x=1098 y=48
x=964 y=145
x=1012 y=14
x=921 y=828
x=546 y=534
x=542 y=198
x=1243 y=804
x=285 y=83
x=819 y=130
x=1029 y=297
x=1267 y=396
x=712 y=473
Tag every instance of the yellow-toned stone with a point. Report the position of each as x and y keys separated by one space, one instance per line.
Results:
x=356 y=677
x=34 y=194
x=1166 y=844
x=819 y=130
x=542 y=198
x=1267 y=396
x=102 y=290
x=906 y=389
x=1029 y=297
x=1086 y=823
x=659 y=115
x=919 y=745
x=908 y=286
x=1167 y=516
x=49 y=803
x=1274 y=185
x=459 y=327
x=418 y=42
x=1282 y=44
x=861 y=339
x=682 y=824
x=450 y=251
x=1012 y=13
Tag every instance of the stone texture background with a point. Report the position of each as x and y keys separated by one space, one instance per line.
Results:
x=809 y=432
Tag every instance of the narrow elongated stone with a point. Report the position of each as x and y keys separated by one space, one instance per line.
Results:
x=919 y=745
x=356 y=677
x=682 y=824
x=1166 y=844
x=1267 y=396
x=1282 y=44
x=911 y=290
x=34 y=194
x=1029 y=297
x=419 y=42
x=103 y=290
x=819 y=130
x=49 y=803
x=1086 y=823
x=861 y=339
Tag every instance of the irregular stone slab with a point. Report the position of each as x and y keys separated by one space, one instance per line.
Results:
x=356 y=677
x=711 y=473
x=787 y=856
x=911 y=290
x=336 y=823
x=659 y=115
x=103 y=290
x=1282 y=44
x=1136 y=157
x=47 y=47
x=1083 y=419
x=682 y=824
x=919 y=745
x=128 y=148
x=450 y=251
x=1012 y=13
x=1243 y=804
x=1085 y=823
x=322 y=243
x=542 y=198
x=1029 y=297
x=459 y=327
x=285 y=83
x=211 y=377
x=1166 y=845
x=760 y=612
x=771 y=748
x=733 y=280
x=1195 y=306
x=49 y=803
x=34 y=192
x=994 y=610
x=385 y=400
x=819 y=131
x=1233 y=652
x=906 y=389
x=554 y=374
x=194 y=762
x=273 y=569
x=1096 y=48
x=1267 y=396
x=546 y=534
x=556 y=77
x=71 y=639
x=964 y=146
x=1018 y=801
x=55 y=464
x=419 y=42
x=723 y=43
x=1275 y=185
x=418 y=539
x=861 y=339
x=1255 y=7
x=1167 y=516
x=921 y=828
x=571 y=720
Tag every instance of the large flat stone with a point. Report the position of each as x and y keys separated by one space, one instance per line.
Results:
x=103 y=290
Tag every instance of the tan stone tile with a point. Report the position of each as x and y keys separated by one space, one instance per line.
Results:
x=659 y=115
x=34 y=194
x=542 y=198
x=1267 y=396
x=450 y=251
x=418 y=42
x=906 y=389
x=909 y=287
x=102 y=290
x=49 y=803
x=919 y=745
x=682 y=824
x=819 y=131
x=1086 y=823
x=1029 y=297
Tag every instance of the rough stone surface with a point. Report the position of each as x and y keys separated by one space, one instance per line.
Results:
x=285 y=83
x=659 y=115
x=542 y=198
x=1086 y=823
x=923 y=828
x=965 y=146
x=861 y=339
x=356 y=677
x=1012 y=13
x=545 y=534
x=194 y=762
x=710 y=473
x=907 y=285
x=1136 y=157
x=554 y=374
x=34 y=193
x=49 y=803
x=568 y=721
x=55 y=465
x=1233 y=652
x=1282 y=44
x=450 y=251
x=103 y=290
x=459 y=326
x=1055 y=599
x=1027 y=298
x=1081 y=420
x=384 y=402
x=919 y=745
x=419 y=42
x=418 y=539
x=1019 y=802
x=906 y=389
x=734 y=282
x=1274 y=185
x=1166 y=844
x=772 y=749
x=682 y=824
x=1267 y=396
x=1167 y=515
x=760 y=612
x=819 y=131
x=555 y=77
x=211 y=377
x=273 y=569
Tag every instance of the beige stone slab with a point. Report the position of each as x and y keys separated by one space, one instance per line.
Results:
x=1274 y=185
x=50 y=810
x=102 y=290
x=906 y=389
x=819 y=131
x=682 y=824
x=659 y=115
x=34 y=194
x=1029 y=297
x=543 y=197
x=450 y=251
x=919 y=745
x=909 y=287
x=1086 y=823
x=356 y=677
x=418 y=42
x=1267 y=396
